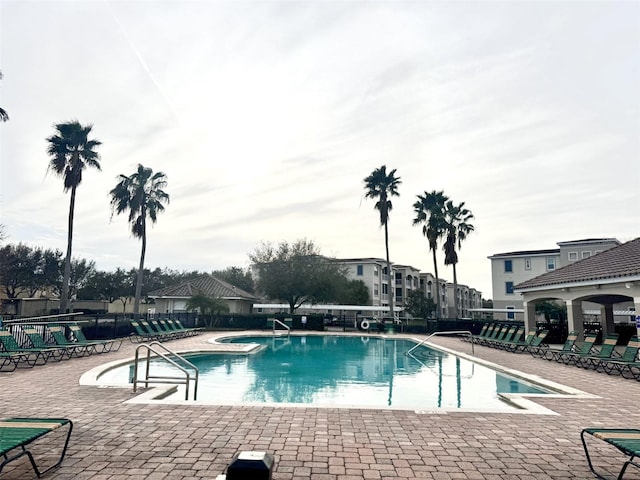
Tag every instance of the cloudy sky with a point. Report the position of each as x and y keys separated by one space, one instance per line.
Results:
x=267 y=115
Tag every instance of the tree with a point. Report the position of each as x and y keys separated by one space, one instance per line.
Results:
x=429 y=210
x=81 y=271
x=237 y=277
x=381 y=186
x=296 y=273
x=3 y=114
x=208 y=306
x=70 y=152
x=419 y=305
x=353 y=292
x=142 y=194
x=552 y=310
x=456 y=219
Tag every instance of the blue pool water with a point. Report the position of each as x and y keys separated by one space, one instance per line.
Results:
x=345 y=371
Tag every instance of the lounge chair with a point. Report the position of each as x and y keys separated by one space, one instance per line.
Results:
x=514 y=336
x=484 y=333
x=607 y=349
x=626 y=440
x=494 y=334
x=159 y=330
x=16 y=434
x=178 y=327
x=30 y=356
x=483 y=330
x=506 y=333
x=628 y=361
x=521 y=344
x=538 y=345
x=58 y=352
x=569 y=346
x=574 y=357
x=105 y=345
x=57 y=332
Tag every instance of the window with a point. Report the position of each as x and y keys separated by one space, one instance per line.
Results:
x=385 y=289
x=375 y=271
x=527 y=264
x=508 y=266
x=508 y=287
x=586 y=254
x=359 y=270
x=511 y=315
x=573 y=256
x=551 y=263
x=376 y=290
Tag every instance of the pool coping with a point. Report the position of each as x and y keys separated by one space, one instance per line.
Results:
x=523 y=401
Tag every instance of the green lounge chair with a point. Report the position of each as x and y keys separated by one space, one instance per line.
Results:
x=16 y=434
x=574 y=357
x=495 y=333
x=607 y=349
x=569 y=346
x=57 y=332
x=163 y=329
x=626 y=440
x=516 y=336
x=59 y=352
x=515 y=346
x=31 y=356
x=627 y=362
x=105 y=345
x=505 y=333
x=141 y=335
x=484 y=332
x=538 y=346
x=178 y=327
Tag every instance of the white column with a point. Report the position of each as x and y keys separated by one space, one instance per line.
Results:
x=575 y=320
x=606 y=320
x=529 y=315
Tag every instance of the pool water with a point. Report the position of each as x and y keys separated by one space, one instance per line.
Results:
x=344 y=371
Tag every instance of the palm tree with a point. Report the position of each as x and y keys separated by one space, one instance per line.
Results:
x=4 y=116
x=71 y=152
x=457 y=220
x=380 y=186
x=429 y=210
x=142 y=194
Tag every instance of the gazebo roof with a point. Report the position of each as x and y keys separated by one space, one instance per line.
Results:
x=621 y=262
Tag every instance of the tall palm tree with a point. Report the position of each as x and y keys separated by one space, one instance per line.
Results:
x=142 y=194
x=70 y=152
x=381 y=186
x=429 y=210
x=4 y=116
x=456 y=218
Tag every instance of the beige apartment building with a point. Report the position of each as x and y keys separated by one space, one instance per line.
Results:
x=513 y=268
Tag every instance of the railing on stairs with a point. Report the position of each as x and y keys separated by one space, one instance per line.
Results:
x=171 y=357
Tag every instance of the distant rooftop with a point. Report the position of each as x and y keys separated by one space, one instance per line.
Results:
x=207 y=285
x=527 y=253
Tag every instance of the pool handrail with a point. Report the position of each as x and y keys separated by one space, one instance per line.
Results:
x=162 y=379
x=453 y=332
x=287 y=327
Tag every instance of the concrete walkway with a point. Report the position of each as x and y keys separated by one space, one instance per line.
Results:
x=117 y=441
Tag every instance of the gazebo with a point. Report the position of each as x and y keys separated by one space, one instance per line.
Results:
x=609 y=278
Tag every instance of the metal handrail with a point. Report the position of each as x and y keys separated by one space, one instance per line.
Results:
x=165 y=379
x=455 y=332
x=288 y=328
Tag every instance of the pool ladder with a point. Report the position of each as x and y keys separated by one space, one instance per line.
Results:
x=287 y=327
x=170 y=357
x=454 y=332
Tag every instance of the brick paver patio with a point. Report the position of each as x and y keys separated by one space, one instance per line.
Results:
x=117 y=441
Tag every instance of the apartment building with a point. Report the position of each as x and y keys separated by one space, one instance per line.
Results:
x=512 y=268
x=468 y=299
x=428 y=287
x=374 y=273
x=407 y=279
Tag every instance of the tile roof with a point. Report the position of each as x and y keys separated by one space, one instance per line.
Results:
x=205 y=284
x=617 y=262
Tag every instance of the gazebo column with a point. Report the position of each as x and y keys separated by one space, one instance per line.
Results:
x=529 y=315
x=575 y=319
x=636 y=302
x=606 y=320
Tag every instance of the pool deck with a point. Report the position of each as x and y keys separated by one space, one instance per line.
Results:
x=113 y=440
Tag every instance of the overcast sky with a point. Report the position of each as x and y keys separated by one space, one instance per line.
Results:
x=266 y=116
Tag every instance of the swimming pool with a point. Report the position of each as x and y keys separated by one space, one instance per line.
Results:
x=336 y=370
